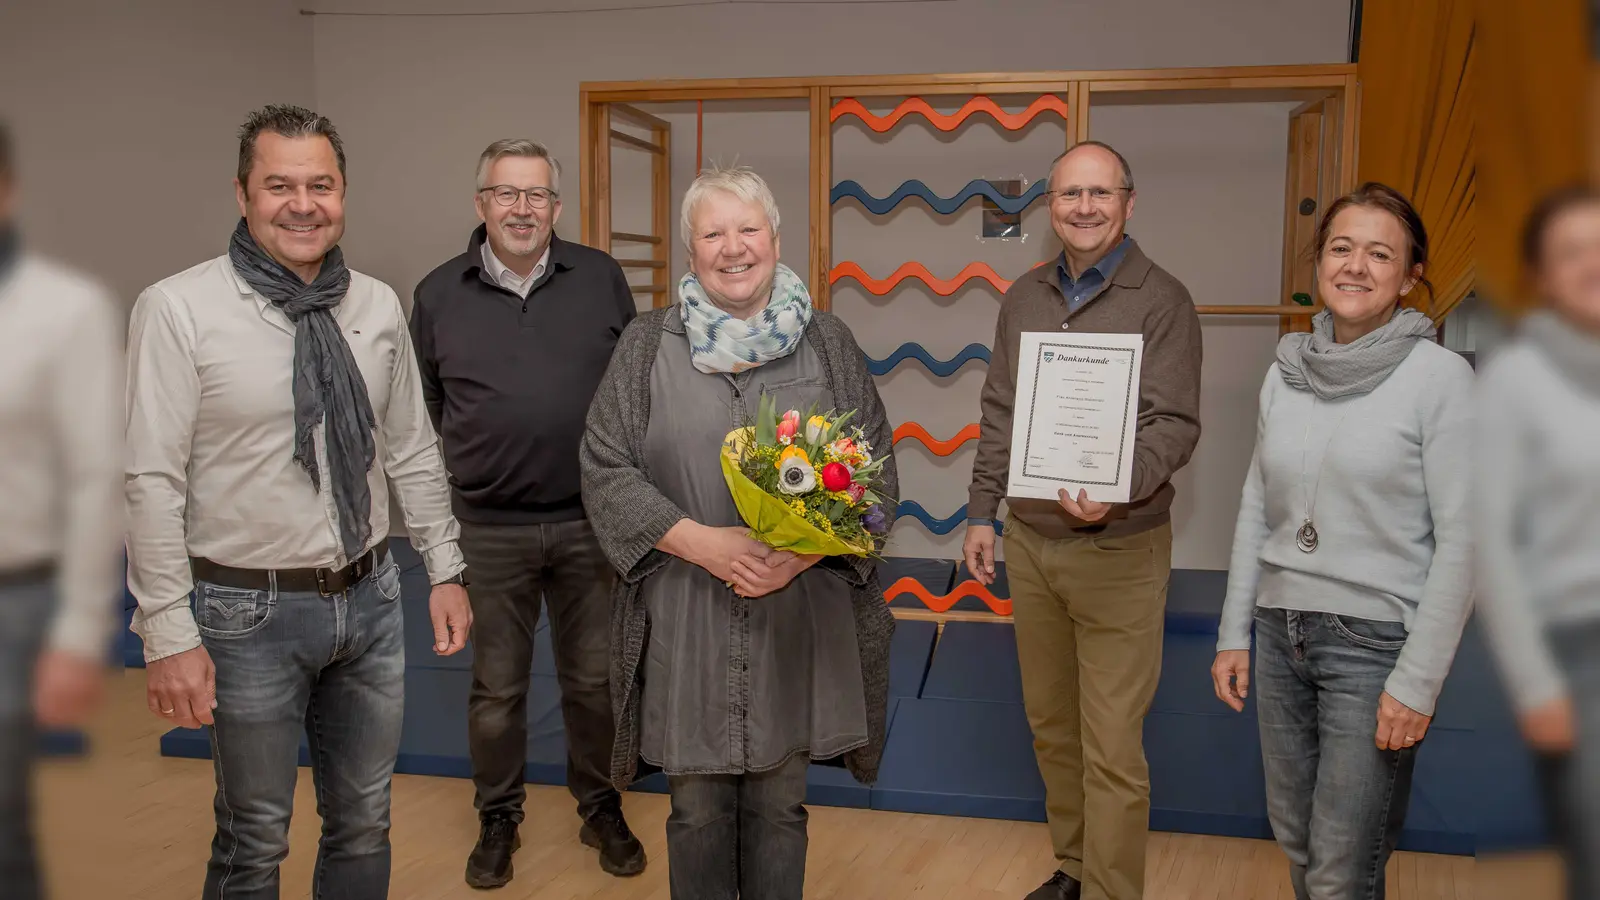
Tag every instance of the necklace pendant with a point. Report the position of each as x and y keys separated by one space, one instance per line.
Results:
x=1306 y=537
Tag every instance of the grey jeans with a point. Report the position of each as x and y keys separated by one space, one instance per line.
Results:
x=1572 y=782
x=331 y=668
x=25 y=611
x=738 y=836
x=1336 y=802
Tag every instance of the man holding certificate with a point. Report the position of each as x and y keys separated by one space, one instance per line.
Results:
x=1091 y=405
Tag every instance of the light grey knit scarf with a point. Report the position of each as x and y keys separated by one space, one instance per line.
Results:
x=1316 y=362
x=326 y=384
x=1574 y=353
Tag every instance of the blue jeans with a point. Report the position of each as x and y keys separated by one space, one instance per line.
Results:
x=25 y=613
x=332 y=668
x=1337 y=803
x=738 y=836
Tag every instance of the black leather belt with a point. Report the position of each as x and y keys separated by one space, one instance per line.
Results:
x=326 y=582
x=25 y=576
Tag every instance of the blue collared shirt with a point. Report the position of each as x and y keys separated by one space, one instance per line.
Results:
x=1087 y=285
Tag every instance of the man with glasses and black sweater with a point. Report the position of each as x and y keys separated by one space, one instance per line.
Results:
x=513 y=337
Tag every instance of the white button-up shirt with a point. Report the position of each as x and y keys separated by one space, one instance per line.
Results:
x=210 y=443
x=61 y=446
x=511 y=281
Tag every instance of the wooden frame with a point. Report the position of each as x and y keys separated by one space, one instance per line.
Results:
x=1328 y=96
x=1329 y=90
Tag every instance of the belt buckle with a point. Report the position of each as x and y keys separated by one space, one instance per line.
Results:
x=322 y=583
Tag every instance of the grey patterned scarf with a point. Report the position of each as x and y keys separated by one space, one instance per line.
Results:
x=718 y=342
x=327 y=383
x=1315 y=362
x=1574 y=353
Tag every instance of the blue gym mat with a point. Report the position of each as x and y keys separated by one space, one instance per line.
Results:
x=975 y=661
x=909 y=656
x=58 y=744
x=960 y=758
x=959 y=742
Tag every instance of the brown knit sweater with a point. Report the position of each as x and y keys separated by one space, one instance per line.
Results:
x=1141 y=298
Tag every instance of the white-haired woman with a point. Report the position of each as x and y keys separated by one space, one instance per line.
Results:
x=731 y=691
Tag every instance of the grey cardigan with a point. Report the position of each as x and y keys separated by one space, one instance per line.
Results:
x=630 y=516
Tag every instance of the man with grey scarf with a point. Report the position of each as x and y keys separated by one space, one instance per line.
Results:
x=273 y=396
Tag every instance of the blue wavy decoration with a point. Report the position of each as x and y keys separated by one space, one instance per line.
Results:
x=941 y=205
x=939 y=367
x=938 y=526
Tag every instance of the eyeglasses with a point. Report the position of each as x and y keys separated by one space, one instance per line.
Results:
x=1097 y=195
x=506 y=195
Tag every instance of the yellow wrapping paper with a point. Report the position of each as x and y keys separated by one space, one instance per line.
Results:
x=770 y=519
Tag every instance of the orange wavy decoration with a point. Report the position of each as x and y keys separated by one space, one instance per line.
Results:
x=916 y=432
x=1009 y=121
x=937 y=603
x=917 y=270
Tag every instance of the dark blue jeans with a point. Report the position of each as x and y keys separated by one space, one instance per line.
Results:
x=331 y=668
x=1337 y=803
x=738 y=836
x=25 y=613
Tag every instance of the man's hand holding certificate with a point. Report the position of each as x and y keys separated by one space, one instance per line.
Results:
x=1077 y=408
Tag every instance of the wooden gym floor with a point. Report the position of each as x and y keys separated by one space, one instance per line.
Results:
x=128 y=823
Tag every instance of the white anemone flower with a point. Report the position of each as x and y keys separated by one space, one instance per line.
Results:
x=795 y=476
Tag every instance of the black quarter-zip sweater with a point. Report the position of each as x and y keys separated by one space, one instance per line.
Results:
x=508 y=382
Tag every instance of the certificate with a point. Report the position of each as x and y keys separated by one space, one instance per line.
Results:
x=1076 y=411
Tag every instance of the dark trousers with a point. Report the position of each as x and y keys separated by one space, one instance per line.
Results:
x=738 y=836
x=513 y=568
x=25 y=611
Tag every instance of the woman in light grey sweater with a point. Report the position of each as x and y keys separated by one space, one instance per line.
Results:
x=1351 y=551
x=1538 y=520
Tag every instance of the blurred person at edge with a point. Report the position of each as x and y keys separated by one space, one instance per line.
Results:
x=60 y=512
x=273 y=397
x=1538 y=519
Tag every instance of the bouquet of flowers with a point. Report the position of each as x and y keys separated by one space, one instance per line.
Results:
x=806 y=484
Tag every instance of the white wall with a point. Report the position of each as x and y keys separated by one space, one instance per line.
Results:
x=126 y=116
x=418 y=96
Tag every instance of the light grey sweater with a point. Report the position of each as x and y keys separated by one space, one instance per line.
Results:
x=1391 y=512
x=1538 y=515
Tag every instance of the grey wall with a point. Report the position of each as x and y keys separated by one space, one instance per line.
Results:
x=127 y=111
x=419 y=96
x=125 y=114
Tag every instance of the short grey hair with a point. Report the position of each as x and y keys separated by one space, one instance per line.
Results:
x=740 y=181
x=1127 y=170
x=289 y=122
x=518 y=147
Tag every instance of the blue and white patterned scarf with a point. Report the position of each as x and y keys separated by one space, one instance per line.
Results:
x=720 y=343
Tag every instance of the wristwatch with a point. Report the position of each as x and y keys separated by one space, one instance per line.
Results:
x=458 y=578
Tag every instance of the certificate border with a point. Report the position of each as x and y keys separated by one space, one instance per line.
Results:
x=1028 y=444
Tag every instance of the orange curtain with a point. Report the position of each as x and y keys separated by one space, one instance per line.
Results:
x=1417 y=111
x=1534 y=101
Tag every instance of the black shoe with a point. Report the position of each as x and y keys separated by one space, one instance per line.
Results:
x=620 y=852
x=1061 y=886
x=489 y=866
